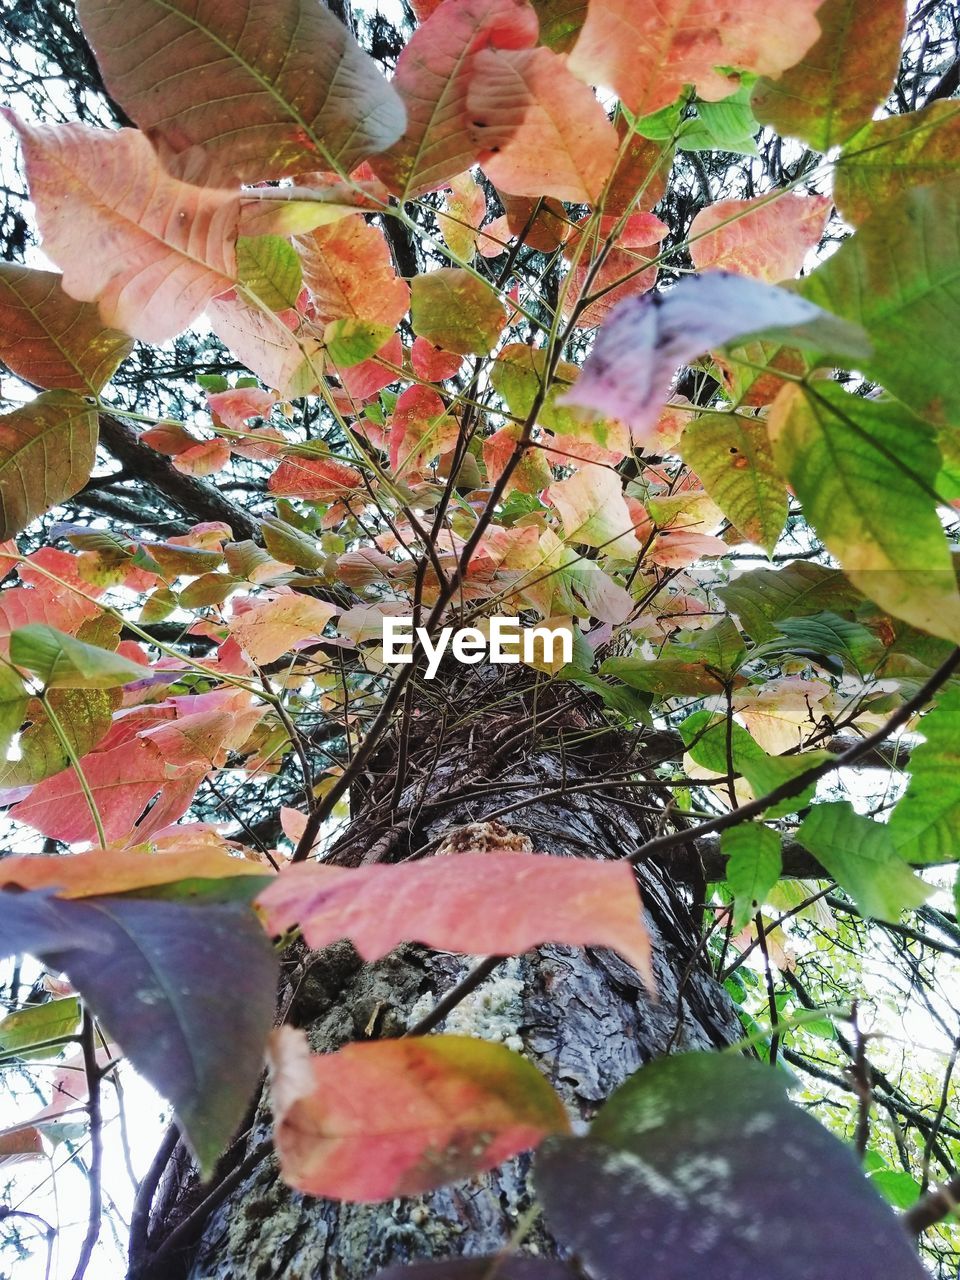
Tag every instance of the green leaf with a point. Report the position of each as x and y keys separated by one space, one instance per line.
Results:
x=85 y=716
x=888 y=157
x=518 y=374
x=628 y=702
x=47 y=451
x=705 y=736
x=61 y=662
x=925 y=825
x=350 y=341
x=36 y=1024
x=666 y=677
x=898 y=278
x=721 y=647
x=865 y=472
x=560 y=22
x=727 y=125
x=861 y=856
x=834 y=88
x=13 y=705
x=290 y=546
x=269 y=267
x=761 y=597
x=897 y=1187
x=732 y=456
x=455 y=310
x=700 y=1167
x=824 y=635
x=753 y=866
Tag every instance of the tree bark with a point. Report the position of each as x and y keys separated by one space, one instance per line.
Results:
x=582 y=1016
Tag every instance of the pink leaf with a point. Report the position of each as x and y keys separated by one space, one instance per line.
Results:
x=433 y=76
x=594 y=511
x=281 y=349
x=500 y=903
x=420 y=430
x=648 y=52
x=318 y=479
x=563 y=146
x=432 y=363
x=764 y=238
x=150 y=249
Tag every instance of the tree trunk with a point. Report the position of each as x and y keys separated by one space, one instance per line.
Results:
x=582 y=1016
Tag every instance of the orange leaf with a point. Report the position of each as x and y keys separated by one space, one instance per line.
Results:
x=317 y=479
x=348 y=268
x=564 y=145
x=502 y=903
x=107 y=871
x=399 y=1117
x=152 y=250
x=274 y=627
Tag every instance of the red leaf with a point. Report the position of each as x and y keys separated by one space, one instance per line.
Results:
x=399 y=1117
x=432 y=363
x=318 y=479
x=502 y=903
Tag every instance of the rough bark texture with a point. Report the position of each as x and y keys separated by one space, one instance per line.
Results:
x=581 y=1016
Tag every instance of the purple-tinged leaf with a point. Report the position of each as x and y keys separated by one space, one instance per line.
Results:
x=628 y=373
x=701 y=1166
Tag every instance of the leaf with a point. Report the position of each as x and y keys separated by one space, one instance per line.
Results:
x=270 y=629
x=455 y=310
x=85 y=716
x=686 y=1162
x=761 y=597
x=753 y=867
x=502 y=903
x=705 y=735
x=114 y=871
x=889 y=157
x=767 y=239
x=434 y=74
x=123 y=782
x=850 y=70
x=560 y=22
x=174 y=983
x=13 y=706
x=33 y=1025
x=627 y=374
x=861 y=856
x=47 y=451
x=349 y=342
x=727 y=125
x=283 y=350
x=826 y=635
x=667 y=676
x=268 y=267
x=732 y=456
x=897 y=277
x=164 y=248
x=317 y=479
x=51 y=340
x=420 y=430
x=563 y=146
x=399 y=1117
x=648 y=55
x=848 y=458
x=925 y=825
x=61 y=662
x=518 y=375
x=270 y=87
x=351 y=274
x=595 y=513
